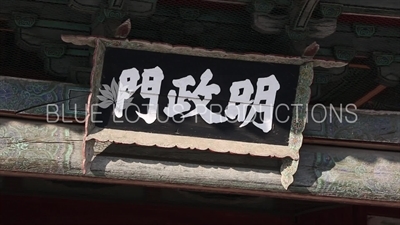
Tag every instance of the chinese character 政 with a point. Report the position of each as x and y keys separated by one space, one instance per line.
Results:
x=201 y=96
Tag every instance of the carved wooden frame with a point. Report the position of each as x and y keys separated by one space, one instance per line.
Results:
x=289 y=153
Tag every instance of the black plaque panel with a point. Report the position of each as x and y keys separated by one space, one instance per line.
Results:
x=225 y=72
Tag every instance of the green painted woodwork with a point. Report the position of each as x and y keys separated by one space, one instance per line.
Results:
x=208 y=15
x=61 y=67
x=63 y=25
x=80 y=75
x=189 y=13
x=397 y=58
x=59 y=59
x=383 y=127
x=284 y=2
x=77 y=52
x=207 y=28
x=85 y=6
x=63 y=2
x=40 y=147
x=325 y=52
x=30 y=97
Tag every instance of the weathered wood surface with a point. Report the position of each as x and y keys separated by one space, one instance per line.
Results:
x=364 y=125
x=30 y=97
x=40 y=147
x=36 y=97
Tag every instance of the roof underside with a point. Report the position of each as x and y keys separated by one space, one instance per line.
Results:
x=364 y=34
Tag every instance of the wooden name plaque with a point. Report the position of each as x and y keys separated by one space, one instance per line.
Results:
x=158 y=95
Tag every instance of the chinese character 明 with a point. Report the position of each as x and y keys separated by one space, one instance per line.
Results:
x=200 y=97
x=263 y=102
x=239 y=102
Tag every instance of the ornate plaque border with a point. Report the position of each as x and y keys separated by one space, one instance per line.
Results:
x=289 y=154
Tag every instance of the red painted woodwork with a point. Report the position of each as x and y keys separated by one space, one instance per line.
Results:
x=356 y=215
x=15 y=209
x=361 y=213
x=336 y=216
x=45 y=210
x=369 y=19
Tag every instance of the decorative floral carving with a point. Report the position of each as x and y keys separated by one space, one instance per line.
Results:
x=344 y=53
x=364 y=30
x=296 y=35
x=7 y=91
x=330 y=10
x=25 y=20
x=113 y=14
x=109 y=95
x=54 y=50
x=383 y=59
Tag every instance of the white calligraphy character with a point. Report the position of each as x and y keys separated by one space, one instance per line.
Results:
x=263 y=102
x=240 y=99
x=151 y=86
x=128 y=84
x=201 y=96
x=150 y=89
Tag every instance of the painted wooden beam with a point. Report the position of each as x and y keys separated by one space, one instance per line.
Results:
x=50 y=150
x=66 y=102
x=40 y=147
x=36 y=97
x=354 y=125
